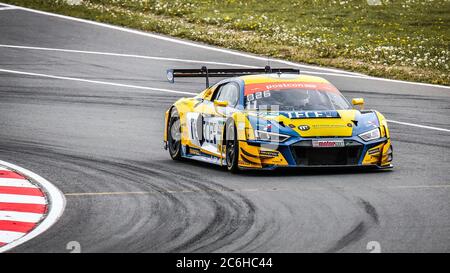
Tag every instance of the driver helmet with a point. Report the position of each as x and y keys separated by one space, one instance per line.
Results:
x=302 y=97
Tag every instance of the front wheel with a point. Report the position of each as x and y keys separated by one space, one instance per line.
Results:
x=232 y=148
x=174 y=135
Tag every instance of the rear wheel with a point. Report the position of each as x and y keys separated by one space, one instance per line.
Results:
x=174 y=135
x=232 y=148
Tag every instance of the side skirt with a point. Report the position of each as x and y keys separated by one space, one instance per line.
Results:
x=197 y=154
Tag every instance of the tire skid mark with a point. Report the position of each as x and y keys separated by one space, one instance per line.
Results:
x=359 y=230
x=370 y=210
x=213 y=218
x=229 y=215
x=233 y=216
x=356 y=233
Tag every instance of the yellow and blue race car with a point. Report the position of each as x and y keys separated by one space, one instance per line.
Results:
x=269 y=118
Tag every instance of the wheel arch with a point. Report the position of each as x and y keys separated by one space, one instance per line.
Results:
x=166 y=122
x=224 y=131
x=167 y=119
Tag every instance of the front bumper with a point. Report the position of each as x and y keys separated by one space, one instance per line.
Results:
x=299 y=152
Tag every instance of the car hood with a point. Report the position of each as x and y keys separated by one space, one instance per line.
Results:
x=339 y=123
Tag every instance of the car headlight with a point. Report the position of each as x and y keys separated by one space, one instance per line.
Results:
x=370 y=135
x=270 y=136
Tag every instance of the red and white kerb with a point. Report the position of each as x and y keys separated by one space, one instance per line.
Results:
x=23 y=205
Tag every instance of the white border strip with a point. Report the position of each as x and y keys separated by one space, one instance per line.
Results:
x=56 y=205
x=96 y=82
x=14 y=182
x=419 y=126
x=10 y=236
x=125 y=55
x=170 y=91
x=159 y=58
x=7 y=8
x=188 y=43
x=339 y=73
x=27 y=217
x=22 y=199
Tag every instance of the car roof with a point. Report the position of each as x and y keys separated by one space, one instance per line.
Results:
x=263 y=82
x=275 y=77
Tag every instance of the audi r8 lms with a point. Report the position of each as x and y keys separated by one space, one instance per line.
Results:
x=269 y=118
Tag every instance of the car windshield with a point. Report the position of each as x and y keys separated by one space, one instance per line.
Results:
x=296 y=100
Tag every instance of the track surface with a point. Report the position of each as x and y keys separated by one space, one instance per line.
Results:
x=102 y=146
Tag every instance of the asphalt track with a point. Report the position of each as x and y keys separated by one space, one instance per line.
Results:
x=101 y=145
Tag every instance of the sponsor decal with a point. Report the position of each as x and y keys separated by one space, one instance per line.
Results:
x=244 y=163
x=204 y=129
x=251 y=88
x=328 y=143
x=303 y=127
x=210 y=131
x=292 y=126
x=258 y=95
x=349 y=125
x=269 y=153
x=322 y=126
x=194 y=151
x=310 y=114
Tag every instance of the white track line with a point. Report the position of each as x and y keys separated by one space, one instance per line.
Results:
x=419 y=126
x=339 y=73
x=9 y=236
x=168 y=91
x=7 y=8
x=150 y=58
x=56 y=206
x=22 y=199
x=14 y=182
x=187 y=43
x=96 y=82
x=20 y=216
x=420 y=187
x=169 y=39
x=125 y=55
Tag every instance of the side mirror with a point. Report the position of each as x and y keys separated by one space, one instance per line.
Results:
x=358 y=102
x=221 y=103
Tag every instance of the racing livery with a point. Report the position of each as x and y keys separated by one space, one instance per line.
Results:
x=271 y=120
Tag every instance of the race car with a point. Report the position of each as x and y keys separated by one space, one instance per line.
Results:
x=274 y=117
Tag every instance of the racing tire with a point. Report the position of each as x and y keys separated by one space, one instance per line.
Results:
x=231 y=148
x=174 y=135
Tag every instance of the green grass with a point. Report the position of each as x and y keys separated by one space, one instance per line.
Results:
x=403 y=39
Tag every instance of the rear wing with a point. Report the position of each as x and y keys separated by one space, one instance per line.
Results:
x=204 y=72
